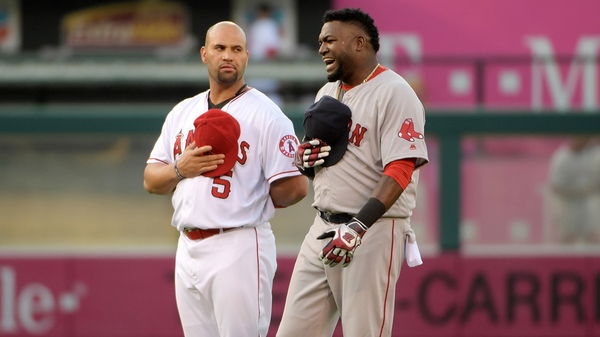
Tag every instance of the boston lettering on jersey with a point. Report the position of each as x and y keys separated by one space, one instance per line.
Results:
x=407 y=132
x=357 y=134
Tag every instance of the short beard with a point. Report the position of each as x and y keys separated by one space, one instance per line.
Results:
x=227 y=79
x=336 y=75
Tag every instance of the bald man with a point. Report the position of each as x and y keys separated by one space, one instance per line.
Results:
x=227 y=154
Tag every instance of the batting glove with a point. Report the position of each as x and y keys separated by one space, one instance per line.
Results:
x=345 y=240
x=311 y=153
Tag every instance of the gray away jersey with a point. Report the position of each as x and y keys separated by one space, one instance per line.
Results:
x=388 y=123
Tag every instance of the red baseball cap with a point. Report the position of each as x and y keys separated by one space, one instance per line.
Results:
x=220 y=130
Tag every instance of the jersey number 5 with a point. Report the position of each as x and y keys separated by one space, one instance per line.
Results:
x=222 y=187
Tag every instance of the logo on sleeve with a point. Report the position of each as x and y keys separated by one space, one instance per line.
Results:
x=407 y=131
x=288 y=145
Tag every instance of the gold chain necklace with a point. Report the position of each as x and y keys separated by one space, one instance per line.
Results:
x=340 y=91
x=372 y=72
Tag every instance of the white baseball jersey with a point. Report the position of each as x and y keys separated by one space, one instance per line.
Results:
x=267 y=145
x=381 y=109
x=223 y=283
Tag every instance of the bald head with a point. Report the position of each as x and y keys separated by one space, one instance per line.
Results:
x=225 y=54
x=225 y=27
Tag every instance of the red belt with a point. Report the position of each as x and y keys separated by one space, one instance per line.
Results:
x=198 y=233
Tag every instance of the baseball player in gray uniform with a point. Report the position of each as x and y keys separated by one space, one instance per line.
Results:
x=351 y=257
x=228 y=156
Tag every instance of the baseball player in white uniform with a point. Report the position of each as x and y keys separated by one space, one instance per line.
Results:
x=351 y=257
x=225 y=260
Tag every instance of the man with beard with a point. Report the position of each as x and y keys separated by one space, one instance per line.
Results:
x=228 y=156
x=366 y=194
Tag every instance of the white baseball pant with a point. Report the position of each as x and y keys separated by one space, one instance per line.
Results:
x=223 y=284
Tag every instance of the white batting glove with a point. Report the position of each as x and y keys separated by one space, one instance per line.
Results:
x=345 y=241
x=311 y=153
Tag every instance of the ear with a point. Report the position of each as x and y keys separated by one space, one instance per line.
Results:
x=203 y=54
x=361 y=42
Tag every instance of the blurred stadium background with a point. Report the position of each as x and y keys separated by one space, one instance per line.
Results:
x=84 y=88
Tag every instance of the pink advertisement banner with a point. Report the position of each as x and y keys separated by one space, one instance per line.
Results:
x=448 y=296
x=469 y=53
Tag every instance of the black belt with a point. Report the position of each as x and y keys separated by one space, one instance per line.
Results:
x=335 y=217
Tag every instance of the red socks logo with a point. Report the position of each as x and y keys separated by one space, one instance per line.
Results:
x=408 y=131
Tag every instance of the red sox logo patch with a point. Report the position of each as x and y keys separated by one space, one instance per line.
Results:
x=288 y=145
x=408 y=131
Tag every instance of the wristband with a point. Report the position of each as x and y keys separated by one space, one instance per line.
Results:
x=179 y=175
x=307 y=171
x=371 y=211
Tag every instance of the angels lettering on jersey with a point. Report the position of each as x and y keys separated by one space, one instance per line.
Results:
x=287 y=145
x=177 y=147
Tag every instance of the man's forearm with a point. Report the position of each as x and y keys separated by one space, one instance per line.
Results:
x=384 y=195
x=288 y=191
x=387 y=191
x=160 y=178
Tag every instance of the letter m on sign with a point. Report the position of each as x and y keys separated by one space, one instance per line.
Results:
x=562 y=92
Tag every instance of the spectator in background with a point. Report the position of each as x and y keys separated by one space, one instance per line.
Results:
x=264 y=42
x=575 y=185
x=264 y=34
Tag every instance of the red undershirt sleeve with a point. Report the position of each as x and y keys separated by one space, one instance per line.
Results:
x=401 y=171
